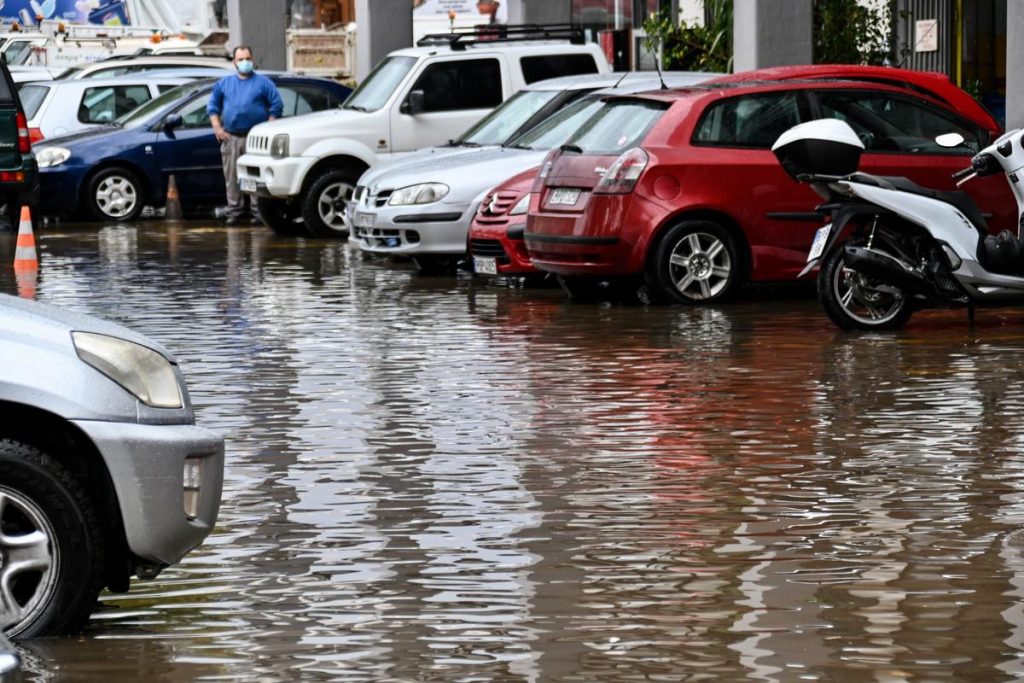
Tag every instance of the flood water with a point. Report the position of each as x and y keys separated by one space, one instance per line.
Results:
x=438 y=479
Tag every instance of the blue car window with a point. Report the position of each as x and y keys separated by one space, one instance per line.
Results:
x=193 y=114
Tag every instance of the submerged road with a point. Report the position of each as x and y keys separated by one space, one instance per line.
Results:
x=440 y=479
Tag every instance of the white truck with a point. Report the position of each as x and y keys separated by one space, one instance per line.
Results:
x=302 y=171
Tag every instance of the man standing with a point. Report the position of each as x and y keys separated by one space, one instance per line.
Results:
x=237 y=103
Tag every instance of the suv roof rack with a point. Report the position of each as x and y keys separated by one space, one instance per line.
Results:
x=460 y=39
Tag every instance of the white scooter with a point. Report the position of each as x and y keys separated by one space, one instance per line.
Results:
x=893 y=247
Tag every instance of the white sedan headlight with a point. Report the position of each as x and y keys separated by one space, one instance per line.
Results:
x=146 y=374
x=425 y=193
x=521 y=207
x=52 y=156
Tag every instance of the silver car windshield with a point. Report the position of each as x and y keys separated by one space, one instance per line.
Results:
x=499 y=125
x=557 y=128
x=373 y=93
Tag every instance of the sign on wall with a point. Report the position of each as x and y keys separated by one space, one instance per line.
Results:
x=105 y=12
x=464 y=9
x=926 y=35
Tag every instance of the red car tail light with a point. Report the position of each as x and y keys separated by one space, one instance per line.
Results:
x=35 y=135
x=622 y=176
x=545 y=170
x=24 y=143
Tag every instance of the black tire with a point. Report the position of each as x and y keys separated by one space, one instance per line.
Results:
x=437 y=264
x=39 y=497
x=323 y=204
x=280 y=216
x=114 y=194
x=694 y=262
x=854 y=301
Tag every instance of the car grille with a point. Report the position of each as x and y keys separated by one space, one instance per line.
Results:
x=495 y=207
x=487 y=248
x=363 y=197
x=257 y=144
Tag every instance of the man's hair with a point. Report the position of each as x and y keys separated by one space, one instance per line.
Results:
x=234 y=53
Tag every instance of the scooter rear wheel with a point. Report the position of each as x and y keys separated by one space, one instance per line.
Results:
x=854 y=301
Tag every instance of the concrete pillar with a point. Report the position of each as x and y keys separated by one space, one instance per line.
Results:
x=383 y=26
x=261 y=24
x=772 y=33
x=1014 y=55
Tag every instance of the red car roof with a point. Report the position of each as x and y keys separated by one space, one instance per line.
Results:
x=931 y=83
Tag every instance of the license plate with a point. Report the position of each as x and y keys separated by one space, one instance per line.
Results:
x=247 y=184
x=818 y=245
x=564 y=196
x=485 y=266
x=363 y=220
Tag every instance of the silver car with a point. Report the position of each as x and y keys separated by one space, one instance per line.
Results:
x=423 y=207
x=103 y=471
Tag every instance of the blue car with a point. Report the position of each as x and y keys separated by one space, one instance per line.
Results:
x=111 y=173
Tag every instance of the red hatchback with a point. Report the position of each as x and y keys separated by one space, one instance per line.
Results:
x=682 y=187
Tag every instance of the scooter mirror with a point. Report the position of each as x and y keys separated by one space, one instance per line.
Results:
x=950 y=140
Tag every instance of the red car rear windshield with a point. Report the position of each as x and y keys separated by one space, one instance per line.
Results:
x=618 y=126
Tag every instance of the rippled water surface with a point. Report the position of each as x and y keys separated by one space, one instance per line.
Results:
x=436 y=479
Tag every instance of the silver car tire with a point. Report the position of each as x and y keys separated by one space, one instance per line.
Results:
x=51 y=546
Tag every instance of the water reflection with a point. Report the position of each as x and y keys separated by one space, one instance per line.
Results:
x=436 y=479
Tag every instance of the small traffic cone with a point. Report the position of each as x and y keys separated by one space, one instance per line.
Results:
x=173 y=204
x=26 y=261
x=25 y=257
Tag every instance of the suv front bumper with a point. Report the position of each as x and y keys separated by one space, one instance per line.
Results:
x=146 y=464
x=265 y=176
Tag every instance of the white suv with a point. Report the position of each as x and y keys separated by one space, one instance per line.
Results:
x=307 y=167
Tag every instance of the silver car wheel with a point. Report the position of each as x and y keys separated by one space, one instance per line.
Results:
x=700 y=266
x=331 y=205
x=116 y=196
x=29 y=561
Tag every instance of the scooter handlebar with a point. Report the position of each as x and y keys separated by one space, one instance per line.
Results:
x=963 y=173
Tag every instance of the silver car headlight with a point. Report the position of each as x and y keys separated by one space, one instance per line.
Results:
x=424 y=193
x=52 y=156
x=521 y=207
x=143 y=372
x=279 y=146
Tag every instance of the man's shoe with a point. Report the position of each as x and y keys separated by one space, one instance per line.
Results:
x=232 y=220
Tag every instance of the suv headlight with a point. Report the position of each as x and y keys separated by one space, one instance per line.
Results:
x=143 y=372
x=52 y=156
x=279 y=146
x=425 y=193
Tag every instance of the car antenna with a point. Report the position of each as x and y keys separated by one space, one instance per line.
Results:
x=657 y=65
x=619 y=82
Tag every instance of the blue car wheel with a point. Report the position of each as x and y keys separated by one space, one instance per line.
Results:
x=115 y=194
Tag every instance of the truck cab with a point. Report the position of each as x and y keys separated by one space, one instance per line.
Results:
x=307 y=167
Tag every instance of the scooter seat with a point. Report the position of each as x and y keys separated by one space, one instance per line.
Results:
x=958 y=198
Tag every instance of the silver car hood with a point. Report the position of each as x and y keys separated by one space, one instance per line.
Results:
x=24 y=319
x=428 y=155
x=467 y=175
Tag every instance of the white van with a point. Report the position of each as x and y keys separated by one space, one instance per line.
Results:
x=307 y=166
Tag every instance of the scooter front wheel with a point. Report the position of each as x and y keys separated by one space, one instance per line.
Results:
x=855 y=301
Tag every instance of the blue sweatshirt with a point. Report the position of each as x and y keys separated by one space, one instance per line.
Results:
x=241 y=103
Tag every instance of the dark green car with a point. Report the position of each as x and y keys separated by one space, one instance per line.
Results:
x=19 y=175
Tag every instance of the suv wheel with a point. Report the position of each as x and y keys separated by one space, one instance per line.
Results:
x=51 y=546
x=695 y=262
x=323 y=205
x=114 y=194
x=280 y=216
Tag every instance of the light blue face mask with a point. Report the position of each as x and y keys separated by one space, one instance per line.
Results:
x=244 y=66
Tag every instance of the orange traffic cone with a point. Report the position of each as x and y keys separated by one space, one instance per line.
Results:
x=173 y=204
x=26 y=261
x=25 y=257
